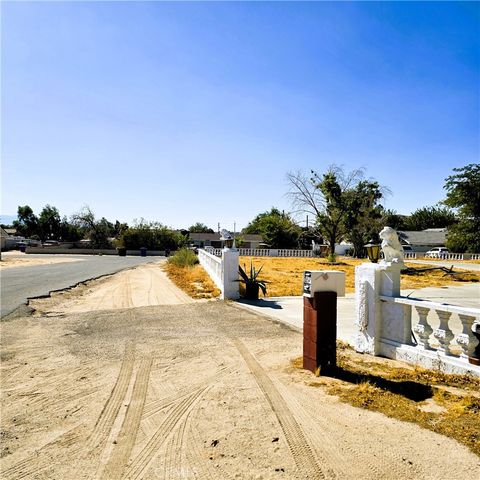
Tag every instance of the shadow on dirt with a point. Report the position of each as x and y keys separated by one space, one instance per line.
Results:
x=418 y=392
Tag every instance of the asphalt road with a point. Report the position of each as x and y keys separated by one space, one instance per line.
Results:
x=20 y=284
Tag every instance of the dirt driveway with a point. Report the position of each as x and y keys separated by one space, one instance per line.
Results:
x=194 y=390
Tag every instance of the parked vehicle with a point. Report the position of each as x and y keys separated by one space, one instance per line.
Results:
x=437 y=252
x=51 y=243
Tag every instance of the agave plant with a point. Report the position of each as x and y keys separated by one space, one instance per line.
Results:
x=251 y=281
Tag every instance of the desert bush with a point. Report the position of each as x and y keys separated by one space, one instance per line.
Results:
x=152 y=236
x=183 y=258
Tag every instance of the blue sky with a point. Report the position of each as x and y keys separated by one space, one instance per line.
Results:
x=184 y=112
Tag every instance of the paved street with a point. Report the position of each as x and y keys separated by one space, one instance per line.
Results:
x=19 y=284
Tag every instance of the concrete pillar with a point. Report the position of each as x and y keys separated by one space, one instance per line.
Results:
x=379 y=322
x=230 y=258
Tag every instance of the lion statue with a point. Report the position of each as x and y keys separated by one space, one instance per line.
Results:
x=391 y=247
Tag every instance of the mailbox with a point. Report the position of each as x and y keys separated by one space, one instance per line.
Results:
x=320 y=291
x=323 y=281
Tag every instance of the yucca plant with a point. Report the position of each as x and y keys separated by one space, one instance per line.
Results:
x=251 y=281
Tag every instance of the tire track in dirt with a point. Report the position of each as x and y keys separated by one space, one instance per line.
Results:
x=151 y=295
x=140 y=465
x=156 y=406
x=128 y=433
x=303 y=454
x=175 y=464
x=60 y=403
x=8 y=376
x=111 y=408
x=44 y=397
x=326 y=428
x=110 y=293
x=45 y=456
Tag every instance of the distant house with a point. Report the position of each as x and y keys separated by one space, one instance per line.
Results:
x=424 y=240
x=202 y=240
x=3 y=239
x=9 y=240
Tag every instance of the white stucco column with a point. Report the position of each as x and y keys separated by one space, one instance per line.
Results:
x=230 y=258
x=377 y=322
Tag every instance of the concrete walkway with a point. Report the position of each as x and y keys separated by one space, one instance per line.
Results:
x=289 y=310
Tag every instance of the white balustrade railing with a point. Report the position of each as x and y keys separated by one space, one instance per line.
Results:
x=288 y=252
x=265 y=252
x=450 y=256
x=214 y=251
x=275 y=252
x=438 y=334
x=213 y=266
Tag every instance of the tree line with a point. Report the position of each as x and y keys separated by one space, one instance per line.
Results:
x=341 y=205
x=347 y=206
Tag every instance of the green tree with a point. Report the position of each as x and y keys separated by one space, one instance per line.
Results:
x=49 y=223
x=99 y=232
x=390 y=218
x=200 y=228
x=153 y=236
x=430 y=217
x=277 y=229
x=463 y=194
x=27 y=223
x=69 y=232
x=362 y=220
x=345 y=205
x=119 y=228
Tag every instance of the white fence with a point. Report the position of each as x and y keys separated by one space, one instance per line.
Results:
x=265 y=252
x=436 y=325
x=287 y=252
x=443 y=256
x=223 y=270
x=212 y=265
x=444 y=333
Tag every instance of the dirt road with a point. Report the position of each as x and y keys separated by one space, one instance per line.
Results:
x=193 y=390
x=142 y=286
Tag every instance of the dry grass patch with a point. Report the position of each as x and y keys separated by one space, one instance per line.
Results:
x=193 y=280
x=285 y=275
x=446 y=404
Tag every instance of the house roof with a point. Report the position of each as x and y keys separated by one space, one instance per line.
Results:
x=431 y=236
x=11 y=231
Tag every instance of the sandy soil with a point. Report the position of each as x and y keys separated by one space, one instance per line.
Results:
x=143 y=286
x=16 y=259
x=195 y=390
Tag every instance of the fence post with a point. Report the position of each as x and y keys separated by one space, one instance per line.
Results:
x=230 y=274
x=376 y=322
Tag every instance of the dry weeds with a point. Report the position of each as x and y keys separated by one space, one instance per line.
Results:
x=446 y=404
x=194 y=281
x=284 y=275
